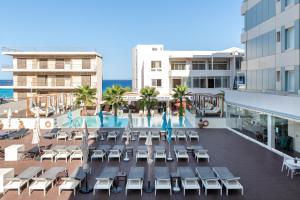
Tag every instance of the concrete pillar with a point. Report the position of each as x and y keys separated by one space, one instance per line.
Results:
x=271 y=131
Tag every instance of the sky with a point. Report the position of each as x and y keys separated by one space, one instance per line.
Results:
x=114 y=27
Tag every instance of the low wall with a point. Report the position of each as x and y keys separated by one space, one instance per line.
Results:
x=214 y=122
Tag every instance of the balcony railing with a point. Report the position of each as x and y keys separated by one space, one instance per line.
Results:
x=35 y=68
x=50 y=84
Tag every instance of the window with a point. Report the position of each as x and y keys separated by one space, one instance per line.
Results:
x=178 y=65
x=86 y=63
x=277 y=76
x=21 y=63
x=199 y=82
x=278 y=36
x=59 y=64
x=289 y=38
x=198 y=65
x=288 y=2
x=155 y=65
x=60 y=80
x=218 y=82
x=43 y=64
x=154 y=49
x=218 y=66
x=291 y=81
x=22 y=80
x=156 y=82
x=211 y=82
x=225 y=81
x=42 y=81
x=176 y=82
x=86 y=80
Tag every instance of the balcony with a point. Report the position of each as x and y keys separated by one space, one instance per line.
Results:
x=244 y=7
x=66 y=69
x=50 y=85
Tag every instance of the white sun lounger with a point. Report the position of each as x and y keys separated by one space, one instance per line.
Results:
x=78 y=135
x=116 y=152
x=141 y=152
x=143 y=135
x=193 y=135
x=188 y=179
x=22 y=179
x=76 y=154
x=181 y=135
x=106 y=179
x=73 y=181
x=155 y=135
x=126 y=134
x=135 y=179
x=48 y=154
x=162 y=179
x=62 y=154
x=181 y=152
x=45 y=180
x=201 y=154
x=229 y=181
x=208 y=179
x=112 y=135
x=100 y=152
x=93 y=136
x=62 y=135
x=160 y=152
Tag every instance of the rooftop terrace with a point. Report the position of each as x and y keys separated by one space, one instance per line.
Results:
x=259 y=169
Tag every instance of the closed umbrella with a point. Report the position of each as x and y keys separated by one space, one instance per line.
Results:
x=100 y=115
x=130 y=122
x=127 y=130
x=85 y=152
x=169 y=129
x=9 y=114
x=36 y=132
x=70 y=119
x=148 y=143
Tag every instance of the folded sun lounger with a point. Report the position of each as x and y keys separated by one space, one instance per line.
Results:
x=45 y=180
x=106 y=179
x=135 y=179
x=229 y=181
x=208 y=179
x=188 y=179
x=162 y=179
x=73 y=181
x=101 y=152
x=22 y=179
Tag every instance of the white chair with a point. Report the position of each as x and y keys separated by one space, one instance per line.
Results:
x=73 y=181
x=181 y=152
x=188 y=179
x=112 y=135
x=208 y=179
x=93 y=136
x=160 y=153
x=201 y=154
x=125 y=135
x=78 y=135
x=116 y=152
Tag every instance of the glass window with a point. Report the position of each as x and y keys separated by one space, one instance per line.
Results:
x=155 y=65
x=176 y=82
x=211 y=82
x=291 y=81
x=218 y=82
x=289 y=38
x=156 y=82
x=225 y=81
x=288 y=2
x=178 y=65
x=198 y=65
x=277 y=76
x=196 y=83
x=21 y=63
x=203 y=82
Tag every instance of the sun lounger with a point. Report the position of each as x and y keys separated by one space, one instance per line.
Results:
x=135 y=179
x=112 y=135
x=208 y=179
x=229 y=181
x=188 y=179
x=48 y=154
x=160 y=152
x=18 y=134
x=143 y=135
x=214 y=111
x=93 y=136
x=78 y=135
x=181 y=152
x=125 y=135
x=76 y=154
x=62 y=135
x=62 y=154
x=22 y=179
x=45 y=180
x=106 y=179
x=181 y=135
x=73 y=181
x=51 y=134
x=201 y=154
x=193 y=135
x=5 y=134
x=162 y=179
x=100 y=152
x=116 y=152
x=141 y=152
x=155 y=135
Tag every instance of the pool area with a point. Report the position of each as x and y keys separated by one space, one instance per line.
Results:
x=121 y=122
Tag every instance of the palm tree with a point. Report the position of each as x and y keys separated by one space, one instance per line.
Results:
x=85 y=95
x=148 y=95
x=179 y=93
x=114 y=96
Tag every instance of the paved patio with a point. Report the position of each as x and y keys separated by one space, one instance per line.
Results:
x=259 y=169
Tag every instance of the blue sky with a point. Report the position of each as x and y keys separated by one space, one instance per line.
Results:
x=113 y=27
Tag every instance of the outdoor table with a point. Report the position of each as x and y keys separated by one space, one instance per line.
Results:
x=129 y=150
x=12 y=152
x=5 y=173
x=134 y=135
x=291 y=162
x=174 y=178
x=121 y=176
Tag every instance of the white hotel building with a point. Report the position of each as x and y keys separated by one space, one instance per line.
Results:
x=268 y=111
x=201 y=71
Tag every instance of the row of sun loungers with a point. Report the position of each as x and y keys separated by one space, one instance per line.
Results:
x=62 y=152
x=16 y=134
x=64 y=135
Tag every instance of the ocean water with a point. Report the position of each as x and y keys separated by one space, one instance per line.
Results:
x=8 y=93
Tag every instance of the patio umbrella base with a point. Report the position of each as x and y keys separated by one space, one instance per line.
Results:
x=169 y=159
x=117 y=189
x=85 y=190
x=126 y=159
x=149 y=189
x=176 y=189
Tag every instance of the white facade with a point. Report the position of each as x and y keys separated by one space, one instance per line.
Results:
x=53 y=72
x=201 y=71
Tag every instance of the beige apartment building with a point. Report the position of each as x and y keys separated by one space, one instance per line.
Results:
x=38 y=72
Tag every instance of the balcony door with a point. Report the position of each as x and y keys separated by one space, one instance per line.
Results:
x=42 y=80
x=86 y=80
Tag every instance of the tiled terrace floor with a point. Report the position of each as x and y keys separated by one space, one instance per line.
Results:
x=258 y=168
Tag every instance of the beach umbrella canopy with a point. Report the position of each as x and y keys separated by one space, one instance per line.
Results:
x=130 y=119
x=100 y=114
x=70 y=119
x=164 y=122
x=169 y=129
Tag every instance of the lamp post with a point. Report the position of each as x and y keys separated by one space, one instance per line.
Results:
x=234 y=53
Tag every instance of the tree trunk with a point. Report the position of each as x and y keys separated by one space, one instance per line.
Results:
x=115 y=111
x=180 y=107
